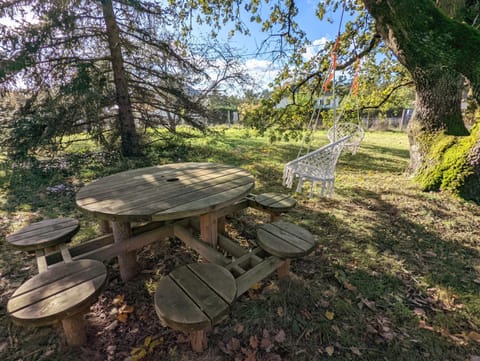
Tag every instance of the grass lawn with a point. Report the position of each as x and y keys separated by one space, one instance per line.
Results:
x=395 y=276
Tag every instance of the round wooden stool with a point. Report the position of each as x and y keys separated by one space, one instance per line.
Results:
x=195 y=297
x=275 y=203
x=285 y=240
x=62 y=293
x=45 y=234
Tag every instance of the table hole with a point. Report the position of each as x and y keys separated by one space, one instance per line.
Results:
x=172 y=179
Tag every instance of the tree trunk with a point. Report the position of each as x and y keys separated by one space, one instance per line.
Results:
x=438 y=52
x=437 y=110
x=128 y=133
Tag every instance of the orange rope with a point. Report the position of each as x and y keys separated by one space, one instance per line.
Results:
x=334 y=64
x=355 y=83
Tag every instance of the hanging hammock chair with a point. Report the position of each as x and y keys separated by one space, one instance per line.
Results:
x=318 y=166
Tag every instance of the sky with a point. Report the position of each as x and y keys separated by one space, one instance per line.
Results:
x=260 y=66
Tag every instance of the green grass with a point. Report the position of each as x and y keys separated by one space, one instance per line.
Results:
x=395 y=275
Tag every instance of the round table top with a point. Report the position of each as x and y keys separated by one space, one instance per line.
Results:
x=165 y=192
x=62 y=291
x=43 y=234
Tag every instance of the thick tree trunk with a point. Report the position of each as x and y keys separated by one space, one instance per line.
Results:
x=128 y=133
x=438 y=52
x=437 y=109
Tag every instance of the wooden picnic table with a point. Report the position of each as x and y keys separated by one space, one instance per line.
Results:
x=162 y=193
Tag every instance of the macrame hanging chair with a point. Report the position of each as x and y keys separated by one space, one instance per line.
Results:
x=318 y=166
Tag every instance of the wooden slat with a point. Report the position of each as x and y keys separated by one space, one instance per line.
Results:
x=41 y=260
x=208 y=202
x=176 y=310
x=295 y=230
x=149 y=196
x=44 y=234
x=258 y=273
x=217 y=278
x=82 y=248
x=245 y=259
x=183 y=200
x=238 y=206
x=43 y=226
x=149 y=187
x=285 y=239
x=27 y=297
x=201 y=294
x=230 y=246
x=54 y=274
x=201 y=247
x=275 y=201
x=109 y=251
x=135 y=178
x=67 y=257
x=62 y=290
x=60 y=305
x=277 y=246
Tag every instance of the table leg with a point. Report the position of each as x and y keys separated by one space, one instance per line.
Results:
x=209 y=228
x=105 y=227
x=221 y=221
x=127 y=262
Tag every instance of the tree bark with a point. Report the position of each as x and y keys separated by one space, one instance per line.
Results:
x=438 y=96
x=439 y=52
x=126 y=122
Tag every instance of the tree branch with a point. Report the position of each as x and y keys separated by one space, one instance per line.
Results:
x=384 y=100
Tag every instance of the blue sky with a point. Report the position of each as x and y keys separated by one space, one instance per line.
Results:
x=260 y=67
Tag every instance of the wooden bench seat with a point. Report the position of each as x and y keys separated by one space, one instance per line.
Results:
x=193 y=298
x=285 y=240
x=44 y=237
x=44 y=234
x=63 y=293
x=273 y=203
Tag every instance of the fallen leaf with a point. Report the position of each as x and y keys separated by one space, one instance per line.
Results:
x=234 y=344
x=329 y=315
x=280 y=336
x=253 y=342
x=349 y=286
x=147 y=340
x=118 y=300
x=280 y=311
x=369 y=304
x=122 y=317
x=126 y=309
x=256 y=286
x=238 y=328
x=266 y=343
x=251 y=356
x=355 y=351
x=330 y=350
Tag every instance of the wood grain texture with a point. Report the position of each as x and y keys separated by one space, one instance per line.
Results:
x=44 y=234
x=195 y=296
x=275 y=201
x=165 y=192
x=61 y=291
x=284 y=239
